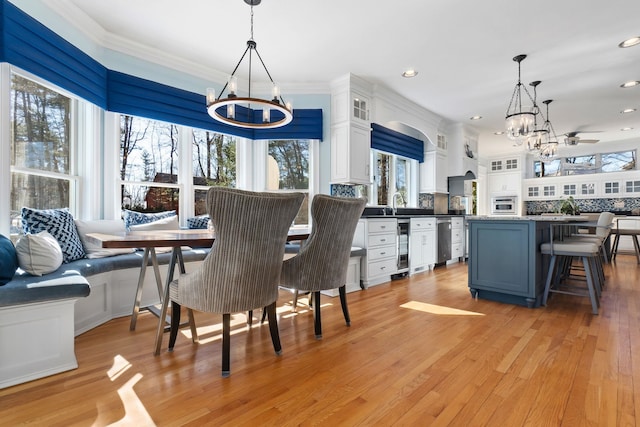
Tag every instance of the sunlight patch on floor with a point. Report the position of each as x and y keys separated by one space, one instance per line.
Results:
x=120 y=366
x=438 y=309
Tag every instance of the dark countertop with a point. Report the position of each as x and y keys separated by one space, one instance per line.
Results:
x=384 y=212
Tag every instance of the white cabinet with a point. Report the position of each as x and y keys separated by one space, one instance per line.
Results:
x=506 y=182
x=457 y=237
x=380 y=240
x=350 y=131
x=422 y=244
x=434 y=173
x=350 y=155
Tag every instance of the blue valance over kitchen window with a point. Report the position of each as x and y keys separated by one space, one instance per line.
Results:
x=394 y=142
x=26 y=43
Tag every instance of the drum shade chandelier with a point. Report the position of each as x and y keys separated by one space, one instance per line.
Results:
x=519 y=124
x=249 y=112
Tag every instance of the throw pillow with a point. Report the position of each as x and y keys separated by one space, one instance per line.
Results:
x=8 y=260
x=136 y=218
x=170 y=223
x=104 y=226
x=59 y=223
x=39 y=253
x=198 y=222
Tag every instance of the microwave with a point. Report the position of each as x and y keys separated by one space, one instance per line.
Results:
x=504 y=205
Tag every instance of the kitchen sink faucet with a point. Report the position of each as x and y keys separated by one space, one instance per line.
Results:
x=394 y=202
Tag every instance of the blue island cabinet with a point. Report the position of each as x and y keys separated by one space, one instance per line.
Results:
x=505 y=263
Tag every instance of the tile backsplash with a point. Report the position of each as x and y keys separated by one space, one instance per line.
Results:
x=620 y=204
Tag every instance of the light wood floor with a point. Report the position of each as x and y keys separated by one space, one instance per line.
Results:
x=420 y=352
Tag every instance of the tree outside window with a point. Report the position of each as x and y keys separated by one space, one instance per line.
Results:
x=288 y=170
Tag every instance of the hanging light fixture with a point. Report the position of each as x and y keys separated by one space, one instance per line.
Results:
x=519 y=124
x=548 y=149
x=539 y=135
x=249 y=112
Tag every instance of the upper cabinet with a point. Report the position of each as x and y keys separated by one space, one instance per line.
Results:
x=433 y=173
x=350 y=131
x=462 y=150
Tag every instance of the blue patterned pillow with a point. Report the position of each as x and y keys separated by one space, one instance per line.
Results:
x=199 y=222
x=8 y=260
x=59 y=223
x=136 y=218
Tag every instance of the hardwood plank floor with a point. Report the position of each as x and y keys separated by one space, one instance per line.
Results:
x=420 y=351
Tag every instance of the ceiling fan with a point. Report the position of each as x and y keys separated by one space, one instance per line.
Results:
x=572 y=138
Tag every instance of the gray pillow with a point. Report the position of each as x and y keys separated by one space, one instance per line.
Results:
x=39 y=253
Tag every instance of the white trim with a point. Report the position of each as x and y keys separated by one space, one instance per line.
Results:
x=5 y=147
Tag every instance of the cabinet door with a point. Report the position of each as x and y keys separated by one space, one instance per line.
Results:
x=350 y=155
x=416 y=250
x=429 y=247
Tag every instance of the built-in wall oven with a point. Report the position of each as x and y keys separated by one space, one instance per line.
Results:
x=504 y=205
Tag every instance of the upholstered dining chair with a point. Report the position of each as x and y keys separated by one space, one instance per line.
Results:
x=323 y=259
x=242 y=270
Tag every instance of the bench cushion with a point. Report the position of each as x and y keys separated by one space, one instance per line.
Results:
x=26 y=289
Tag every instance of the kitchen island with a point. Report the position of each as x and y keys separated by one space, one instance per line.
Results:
x=505 y=263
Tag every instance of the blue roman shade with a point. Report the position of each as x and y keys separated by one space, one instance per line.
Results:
x=394 y=142
x=28 y=44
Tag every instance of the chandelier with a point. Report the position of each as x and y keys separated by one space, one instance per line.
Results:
x=249 y=112
x=519 y=124
x=539 y=135
x=549 y=148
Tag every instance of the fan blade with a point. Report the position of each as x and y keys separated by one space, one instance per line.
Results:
x=588 y=141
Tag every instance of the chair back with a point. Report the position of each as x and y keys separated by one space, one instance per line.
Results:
x=242 y=270
x=604 y=222
x=323 y=260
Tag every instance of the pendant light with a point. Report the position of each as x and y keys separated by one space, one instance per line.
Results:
x=549 y=149
x=249 y=112
x=519 y=124
x=539 y=135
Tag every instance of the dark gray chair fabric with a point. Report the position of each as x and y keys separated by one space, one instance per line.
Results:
x=323 y=260
x=242 y=270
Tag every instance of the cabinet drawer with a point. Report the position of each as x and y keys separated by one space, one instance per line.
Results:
x=456 y=236
x=379 y=268
x=423 y=223
x=381 y=239
x=456 y=251
x=379 y=226
x=381 y=252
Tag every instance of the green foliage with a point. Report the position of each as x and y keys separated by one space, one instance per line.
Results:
x=569 y=207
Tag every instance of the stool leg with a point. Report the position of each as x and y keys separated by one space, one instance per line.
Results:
x=592 y=292
x=614 y=251
x=552 y=267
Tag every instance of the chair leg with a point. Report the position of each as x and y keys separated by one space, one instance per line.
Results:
x=175 y=324
x=295 y=300
x=226 y=344
x=343 y=302
x=192 y=326
x=317 y=321
x=591 y=285
x=273 y=327
x=264 y=315
x=250 y=318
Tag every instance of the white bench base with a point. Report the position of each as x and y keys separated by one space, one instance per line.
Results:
x=36 y=341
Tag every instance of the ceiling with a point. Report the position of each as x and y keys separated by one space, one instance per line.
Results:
x=462 y=50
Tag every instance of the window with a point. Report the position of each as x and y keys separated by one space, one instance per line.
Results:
x=549 y=190
x=579 y=165
x=511 y=164
x=214 y=164
x=148 y=165
x=392 y=177
x=496 y=165
x=621 y=161
x=42 y=152
x=360 y=109
x=551 y=168
x=288 y=170
x=569 y=189
x=534 y=191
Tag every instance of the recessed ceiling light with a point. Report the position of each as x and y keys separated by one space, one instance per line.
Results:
x=627 y=110
x=630 y=42
x=630 y=84
x=625 y=129
x=500 y=132
x=475 y=117
x=410 y=73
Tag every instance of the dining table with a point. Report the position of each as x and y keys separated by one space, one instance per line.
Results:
x=149 y=241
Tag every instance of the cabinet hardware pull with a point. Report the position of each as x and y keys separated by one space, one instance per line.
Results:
x=383 y=253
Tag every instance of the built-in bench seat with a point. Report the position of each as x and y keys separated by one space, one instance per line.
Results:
x=51 y=310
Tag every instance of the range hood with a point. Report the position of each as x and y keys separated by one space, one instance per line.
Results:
x=457 y=184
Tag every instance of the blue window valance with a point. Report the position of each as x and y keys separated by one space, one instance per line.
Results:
x=26 y=43
x=394 y=142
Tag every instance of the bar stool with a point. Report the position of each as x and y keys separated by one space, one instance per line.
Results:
x=562 y=253
x=617 y=232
